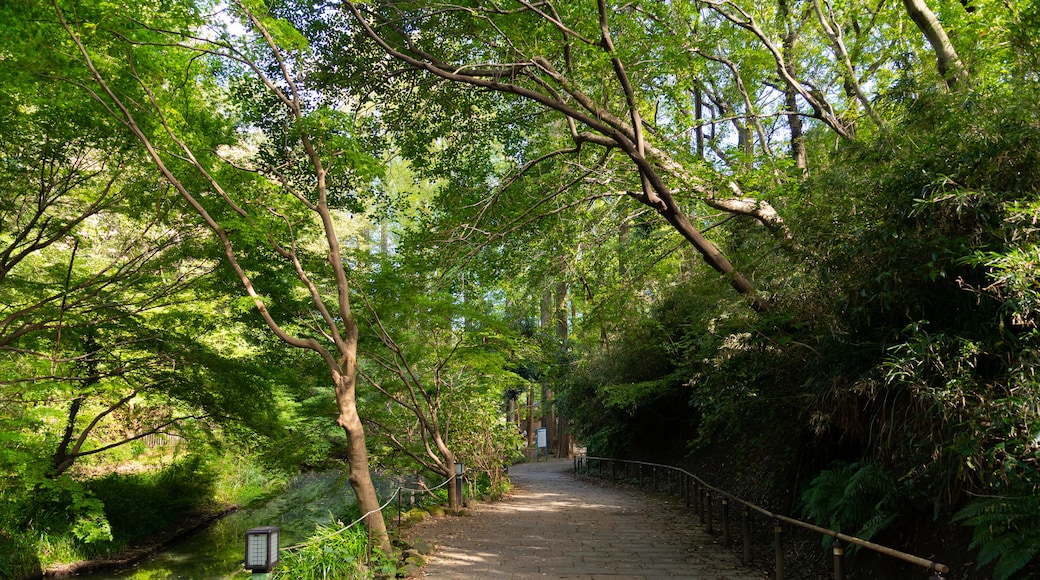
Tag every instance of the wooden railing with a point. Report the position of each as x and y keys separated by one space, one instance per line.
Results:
x=699 y=495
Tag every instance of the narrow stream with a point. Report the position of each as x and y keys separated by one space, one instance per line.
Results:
x=217 y=551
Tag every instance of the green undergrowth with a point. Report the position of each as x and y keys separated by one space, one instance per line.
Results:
x=335 y=551
x=69 y=519
x=343 y=550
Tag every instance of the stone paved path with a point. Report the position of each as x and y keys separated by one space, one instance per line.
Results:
x=555 y=526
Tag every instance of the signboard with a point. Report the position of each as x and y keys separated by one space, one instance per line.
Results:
x=543 y=438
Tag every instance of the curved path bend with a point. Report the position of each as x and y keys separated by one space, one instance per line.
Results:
x=553 y=525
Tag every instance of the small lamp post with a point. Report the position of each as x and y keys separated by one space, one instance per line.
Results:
x=261 y=550
x=460 y=470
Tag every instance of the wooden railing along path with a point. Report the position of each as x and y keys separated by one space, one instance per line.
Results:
x=699 y=495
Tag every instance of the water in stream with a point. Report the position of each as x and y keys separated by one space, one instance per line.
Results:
x=217 y=551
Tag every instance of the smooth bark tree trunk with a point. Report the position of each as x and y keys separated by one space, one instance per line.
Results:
x=454 y=499
x=948 y=61
x=794 y=120
x=357 y=450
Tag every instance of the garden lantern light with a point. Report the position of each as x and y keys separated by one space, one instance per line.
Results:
x=261 y=549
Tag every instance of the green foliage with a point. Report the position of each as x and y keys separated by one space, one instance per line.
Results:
x=858 y=499
x=241 y=478
x=139 y=505
x=65 y=505
x=112 y=326
x=18 y=558
x=930 y=307
x=334 y=553
x=459 y=360
x=485 y=443
x=1005 y=531
x=485 y=485
x=905 y=320
x=64 y=519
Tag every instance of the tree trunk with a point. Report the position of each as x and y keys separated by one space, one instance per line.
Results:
x=714 y=258
x=454 y=501
x=547 y=313
x=560 y=312
x=530 y=417
x=564 y=442
x=794 y=123
x=949 y=63
x=745 y=142
x=61 y=460
x=548 y=419
x=511 y=408
x=357 y=450
x=794 y=120
x=698 y=111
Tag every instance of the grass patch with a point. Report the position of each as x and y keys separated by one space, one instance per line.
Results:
x=141 y=505
x=241 y=480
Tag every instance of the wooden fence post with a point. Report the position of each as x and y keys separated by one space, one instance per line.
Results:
x=746 y=532
x=839 y=559
x=707 y=511
x=725 y=522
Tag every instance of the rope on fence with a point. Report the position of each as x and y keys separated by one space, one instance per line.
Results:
x=428 y=489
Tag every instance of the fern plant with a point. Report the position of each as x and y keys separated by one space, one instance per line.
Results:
x=859 y=498
x=1005 y=531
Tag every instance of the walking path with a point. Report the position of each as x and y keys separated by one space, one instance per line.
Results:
x=553 y=525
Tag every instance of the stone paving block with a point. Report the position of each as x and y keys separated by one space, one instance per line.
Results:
x=554 y=525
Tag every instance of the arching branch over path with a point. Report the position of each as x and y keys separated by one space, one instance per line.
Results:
x=535 y=77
